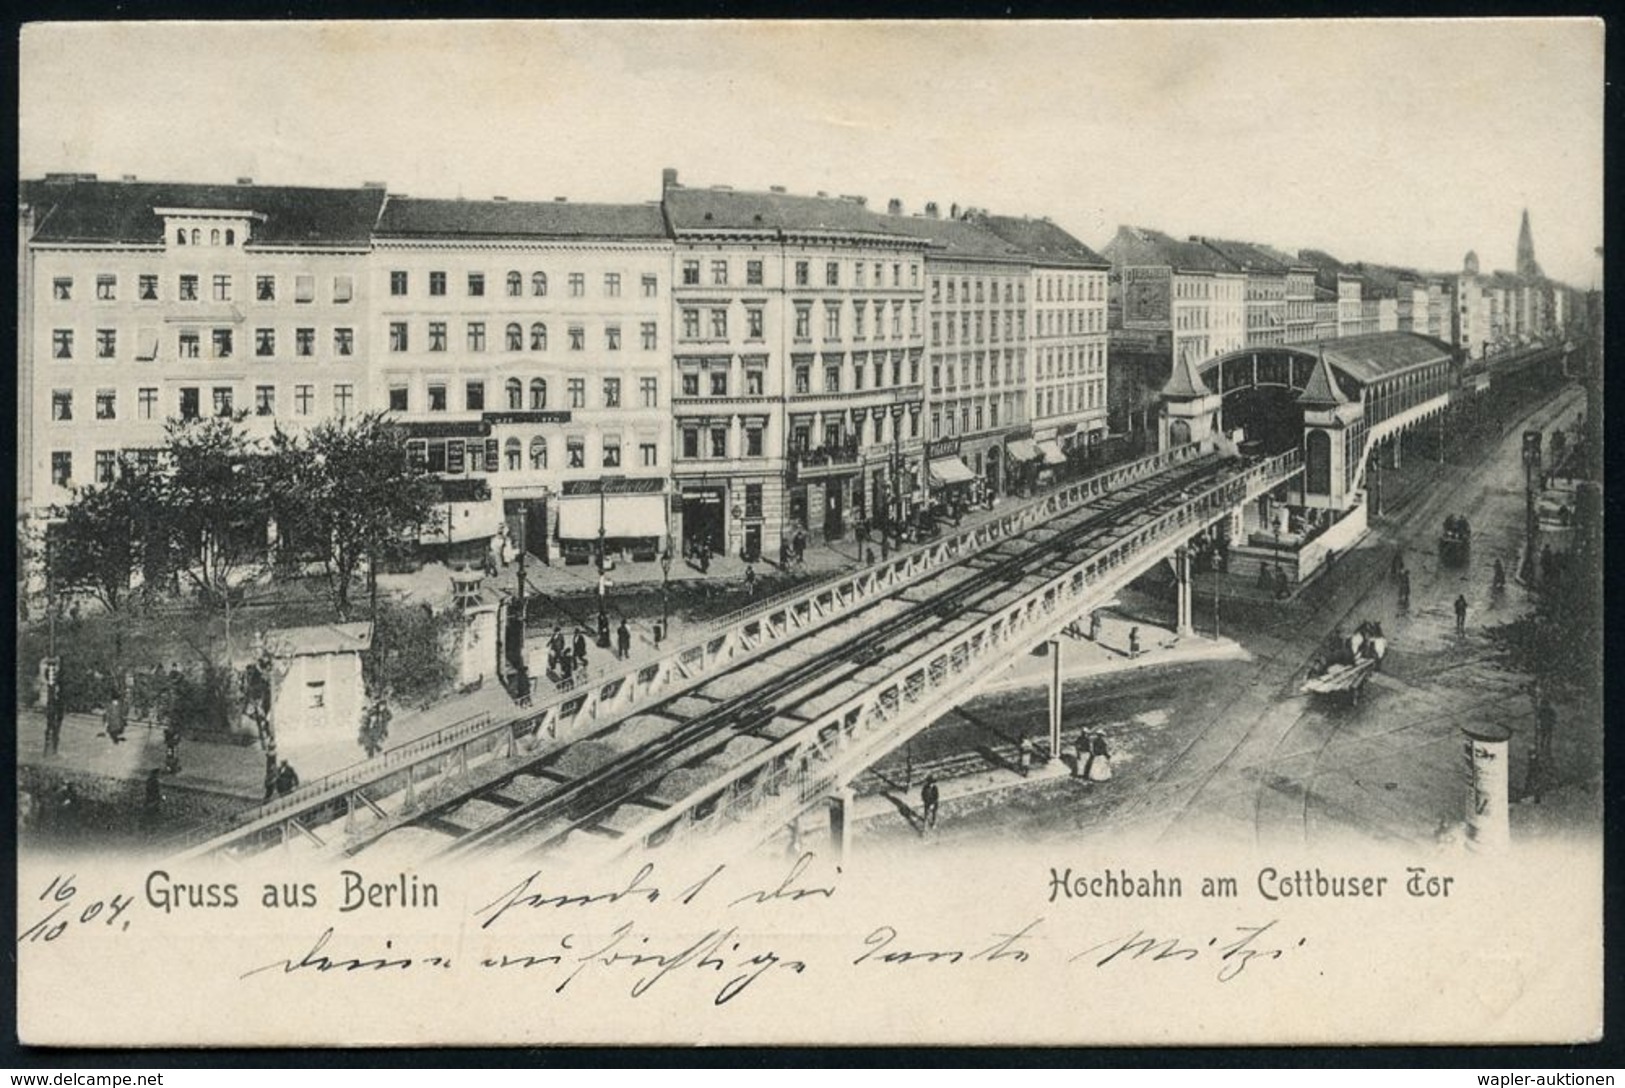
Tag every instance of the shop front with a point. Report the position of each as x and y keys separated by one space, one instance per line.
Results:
x=705 y=518
x=1021 y=474
x=954 y=486
x=612 y=515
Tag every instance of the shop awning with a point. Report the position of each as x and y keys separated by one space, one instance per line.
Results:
x=1052 y=453
x=1022 y=449
x=623 y=516
x=950 y=470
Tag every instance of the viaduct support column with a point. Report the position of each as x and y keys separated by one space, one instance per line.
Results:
x=840 y=823
x=1182 y=573
x=1055 y=681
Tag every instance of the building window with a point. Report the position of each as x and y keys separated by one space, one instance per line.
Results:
x=476 y=336
x=538 y=336
x=612 y=284
x=803 y=321
x=105 y=404
x=343 y=289
x=62 y=404
x=221 y=339
x=222 y=287
x=578 y=284
x=649 y=454
x=105 y=462
x=858 y=325
x=612 y=338
x=719 y=383
x=575 y=451
x=753 y=273
x=649 y=392
x=538 y=394
x=754 y=323
x=577 y=389
x=832 y=273
x=538 y=453
x=437 y=396
x=832 y=321
x=146 y=403
x=437 y=283
x=578 y=338
x=857 y=275
x=398 y=397
x=612 y=392
x=753 y=442
x=650 y=338
x=397 y=283
x=474 y=396
x=147 y=288
x=62 y=288
x=691 y=324
x=691 y=443
x=264 y=400
x=222 y=400
x=832 y=378
x=106 y=343
x=651 y=286
x=802 y=274
x=304 y=288
x=691 y=385
x=344 y=341
x=62 y=344
x=516 y=394
x=803 y=378
x=538 y=284
x=304 y=342
x=514 y=336
x=61 y=468
x=107 y=288
x=476 y=284
x=188 y=289
x=719 y=442
x=755 y=381
x=189 y=402
x=719 y=324
x=612 y=451
x=437 y=336
x=397 y=336
x=719 y=273
x=516 y=285
x=691 y=273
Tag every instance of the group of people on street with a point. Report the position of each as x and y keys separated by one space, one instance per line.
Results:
x=565 y=660
x=1092 y=757
x=1271 y=576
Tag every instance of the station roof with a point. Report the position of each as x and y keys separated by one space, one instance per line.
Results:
x=409 y=217
x=83 y=210
x=1380 y=355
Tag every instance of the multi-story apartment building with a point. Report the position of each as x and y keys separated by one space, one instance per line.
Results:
x=1183 y=288
x=976 y=365
x=1470 y=329
x=1438 y=325
x=1412 y=304
x=1068 y=292
x=799 y=350
x=1266 y=290
x=1327 y=308
x=151 y=301
x=525 y=347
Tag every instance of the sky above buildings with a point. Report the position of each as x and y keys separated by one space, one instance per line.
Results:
x=1399 y=142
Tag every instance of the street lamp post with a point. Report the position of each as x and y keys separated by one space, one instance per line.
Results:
x=603 y=592
x=665 y=582
x=897 y=463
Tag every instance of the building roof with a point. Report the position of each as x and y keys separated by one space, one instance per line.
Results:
x=1141 y=247
x=1379 y=282
x=123 y=211
x=1184 y=380
x=960 y=238
x=1322 y=387
x=1380 y=355
x=700 y=210
x=409 y=217
x=326 y=638
x=1043 y=241
x=1247 y=257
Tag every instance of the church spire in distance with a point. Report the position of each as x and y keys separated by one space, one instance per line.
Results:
x=1527 y=266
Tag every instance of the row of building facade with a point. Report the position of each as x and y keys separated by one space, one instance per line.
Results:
x=717 y=368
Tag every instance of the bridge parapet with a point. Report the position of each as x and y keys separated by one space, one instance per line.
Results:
x=748 y=802
x=393 y=786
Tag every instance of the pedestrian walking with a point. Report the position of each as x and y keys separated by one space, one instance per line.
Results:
x=113 y=720
x=930 y=796
x=1133 y=642
x=623 y=640
x=1282 y=587
x=750 y=580
x=287 y=780
x=1080 y=755
x=1398 y=563
x=1461 y=614
x=1100 y=759
x=1094 y=624
x=172 y=749
x=580 y=648
x=1026 y=751
x=1498 y=581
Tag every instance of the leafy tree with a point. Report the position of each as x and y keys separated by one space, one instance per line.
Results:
x=103 y=537
x=215 y=501
x=350 y=491
x=409 y=660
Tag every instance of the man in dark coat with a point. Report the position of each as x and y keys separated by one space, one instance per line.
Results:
x=623 y=640
x=930 y=796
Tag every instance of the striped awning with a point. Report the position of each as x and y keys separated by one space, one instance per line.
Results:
x=1052 y=453
x=1022 y=449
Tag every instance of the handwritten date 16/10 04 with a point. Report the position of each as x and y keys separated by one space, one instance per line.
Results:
x=65 y=911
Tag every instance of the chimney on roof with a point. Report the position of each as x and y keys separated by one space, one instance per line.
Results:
x=776 y=189
x=860 y=201
x=722 y=188
x=561 y=200
x=245 y=181
x=894 y=206
x=931 y=209
x=668 y=178
x=374 y=185
x=127 y=177
x=953 y=211
x=823 y=194
x=500 y=199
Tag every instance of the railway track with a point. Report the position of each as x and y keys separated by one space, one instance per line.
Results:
x=576 y=790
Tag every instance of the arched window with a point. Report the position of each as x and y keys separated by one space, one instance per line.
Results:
x=516 y=336
x=512 y=452
x=516 y=284
x=214 y=237
x=538 y=394
x=516 y=394
x=197 y=237
x=538 y=452
x=1318 y=463
x=231 y=237
x=180 y=237
x=538 y=337
x=538 y=283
